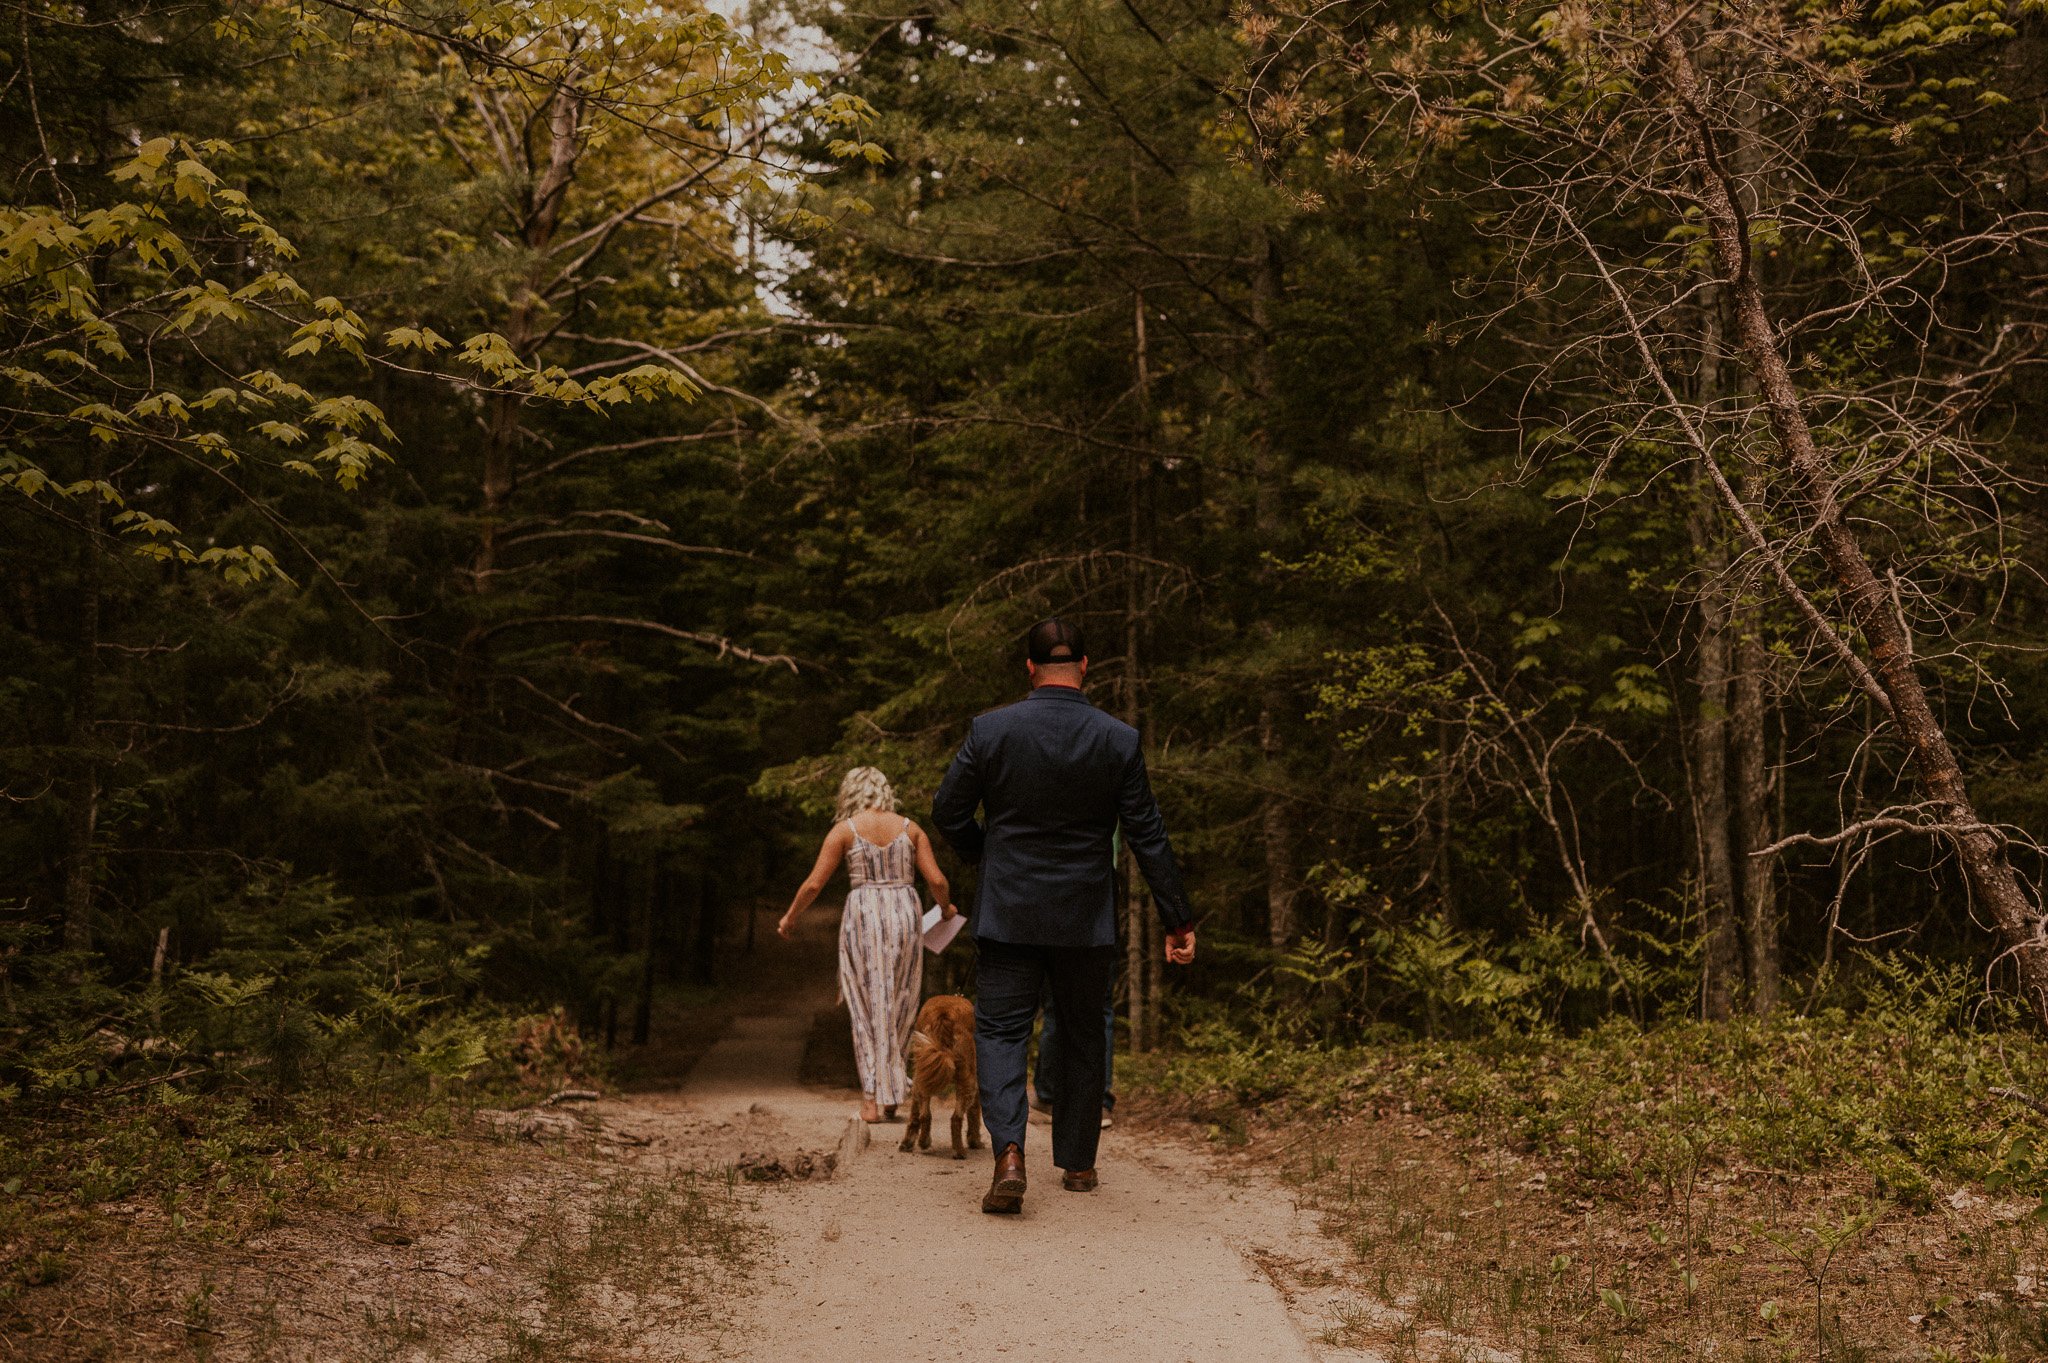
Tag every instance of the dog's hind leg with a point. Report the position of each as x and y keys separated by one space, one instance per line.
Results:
x=920 y=1106
x=959 y=1106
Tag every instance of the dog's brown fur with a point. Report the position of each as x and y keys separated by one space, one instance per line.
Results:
x=942 y=1057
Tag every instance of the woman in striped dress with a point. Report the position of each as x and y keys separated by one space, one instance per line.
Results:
x=880 y=965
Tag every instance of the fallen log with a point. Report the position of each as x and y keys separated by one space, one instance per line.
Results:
x=531 y=1123
x=571 y=1096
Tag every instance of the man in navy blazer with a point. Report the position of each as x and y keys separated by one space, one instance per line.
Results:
x=1054 y=778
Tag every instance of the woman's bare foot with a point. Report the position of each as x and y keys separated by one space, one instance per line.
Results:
x=868 y=1113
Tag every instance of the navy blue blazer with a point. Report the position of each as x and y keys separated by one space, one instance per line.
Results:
x=1054 y=777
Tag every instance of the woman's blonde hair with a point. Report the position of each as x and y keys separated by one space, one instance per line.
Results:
x=865 y=788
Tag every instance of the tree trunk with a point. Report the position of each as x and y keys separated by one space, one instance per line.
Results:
x=82 y=806
x=622 y=912
x=1846 y=867
x=1442 y=830
x=1137 y=903
x=707 y=927
x=653 y=922
x=1752 y=782
x=600 y=882
x=500 y=479
x=1138 y=982
x=1142 y=990
x=679 y=953
x=1721 y=959
x=1275 y=830
x=564 y=133
x=1275 y=815
x=1721 y=964
x=1980 y=850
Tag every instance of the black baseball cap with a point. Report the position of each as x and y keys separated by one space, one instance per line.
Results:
x=1054 y=641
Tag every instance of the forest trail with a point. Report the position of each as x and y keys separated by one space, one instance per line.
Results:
x=892 y=1260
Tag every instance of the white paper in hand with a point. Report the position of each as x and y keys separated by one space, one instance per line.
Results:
x=939 y=932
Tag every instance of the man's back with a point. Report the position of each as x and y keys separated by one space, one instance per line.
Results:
x=1054 y=776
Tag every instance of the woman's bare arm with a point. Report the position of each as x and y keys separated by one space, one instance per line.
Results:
x=830 y=853
x=928 y=867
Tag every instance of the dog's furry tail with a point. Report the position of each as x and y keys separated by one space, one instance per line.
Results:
x=934 y=1065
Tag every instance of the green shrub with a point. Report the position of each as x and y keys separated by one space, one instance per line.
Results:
x=1900 y=1088
x=300 y=986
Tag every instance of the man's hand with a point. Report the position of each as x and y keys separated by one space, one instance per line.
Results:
x=1180 y=947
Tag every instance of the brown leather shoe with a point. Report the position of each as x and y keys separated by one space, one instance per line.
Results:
x=1006 y=1190
x=1078 y=1180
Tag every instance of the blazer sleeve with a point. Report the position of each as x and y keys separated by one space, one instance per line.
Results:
x=1144 y=829
x=959 y=796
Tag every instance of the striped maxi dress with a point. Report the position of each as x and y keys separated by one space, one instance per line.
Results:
x=880 y=964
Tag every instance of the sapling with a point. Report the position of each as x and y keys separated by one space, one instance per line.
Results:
x=1814 y=1248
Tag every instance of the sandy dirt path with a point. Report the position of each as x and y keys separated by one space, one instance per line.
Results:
x=897 y=1262
x=892 y=1260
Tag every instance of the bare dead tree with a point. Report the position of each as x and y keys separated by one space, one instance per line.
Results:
x=1635 y=158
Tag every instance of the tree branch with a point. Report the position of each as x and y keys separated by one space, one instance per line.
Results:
x=724 y=646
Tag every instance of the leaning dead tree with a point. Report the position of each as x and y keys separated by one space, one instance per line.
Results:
x=1754 y=243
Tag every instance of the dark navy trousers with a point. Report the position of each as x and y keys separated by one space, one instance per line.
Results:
x=1045 y=1083
x=1075 y=982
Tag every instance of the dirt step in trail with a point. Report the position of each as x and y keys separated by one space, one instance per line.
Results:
x=743 y=1106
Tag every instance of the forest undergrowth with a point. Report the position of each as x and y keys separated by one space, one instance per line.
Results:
x=1859 y=1182
x=377 y=1218
x=424 y=1238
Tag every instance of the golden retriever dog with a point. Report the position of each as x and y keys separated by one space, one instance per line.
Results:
x=941 y=1058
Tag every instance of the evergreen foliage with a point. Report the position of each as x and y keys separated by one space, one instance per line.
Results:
x=474 y=475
